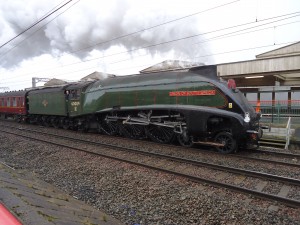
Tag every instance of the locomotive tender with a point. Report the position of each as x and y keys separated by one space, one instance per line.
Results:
x=192 y=107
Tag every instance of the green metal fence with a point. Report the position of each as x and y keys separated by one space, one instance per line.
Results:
x=278 y=111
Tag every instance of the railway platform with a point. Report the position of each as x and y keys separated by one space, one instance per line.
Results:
x=283 y=135
x=31 y=201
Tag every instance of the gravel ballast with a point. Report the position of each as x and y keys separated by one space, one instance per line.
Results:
x=136 y=195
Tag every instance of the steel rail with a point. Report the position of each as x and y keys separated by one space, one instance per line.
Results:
x=239 y=156
x=189 y=161
x=192 y=162
x=132 y=149
x=267 y=161
x=287 y=201
x=285 y=154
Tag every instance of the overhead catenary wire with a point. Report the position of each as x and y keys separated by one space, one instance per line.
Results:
x=251 y=31
x=164 y=24
x=216 y=37
x=211 y=39
x=155 y=26
x=34 y=24
x=125 y=35
x=295 y=14
x=192 y=36
x=153 y=45
x=29 y=36
x=149 y=64
x=227 y=52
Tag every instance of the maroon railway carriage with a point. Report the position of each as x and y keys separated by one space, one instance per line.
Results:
x=13 y=104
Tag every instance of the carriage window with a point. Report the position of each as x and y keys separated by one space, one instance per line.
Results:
x=21 y=101
x=2 y=102
x=8 y=102
x=14 y=102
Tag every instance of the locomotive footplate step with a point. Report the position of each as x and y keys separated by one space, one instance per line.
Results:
x=35 y=202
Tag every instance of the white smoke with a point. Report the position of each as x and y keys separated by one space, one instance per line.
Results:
x=90 y=22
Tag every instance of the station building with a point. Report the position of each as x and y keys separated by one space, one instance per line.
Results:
x=272 y=78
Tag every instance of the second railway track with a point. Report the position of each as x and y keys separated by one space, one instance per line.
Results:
x=227 y=177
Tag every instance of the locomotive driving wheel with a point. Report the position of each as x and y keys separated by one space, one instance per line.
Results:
x=109 y=128
x=133 y=131
x=160 y=134
x=185 y=139
x=228 y=142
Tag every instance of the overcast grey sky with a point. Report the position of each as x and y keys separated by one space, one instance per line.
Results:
x=93 y=35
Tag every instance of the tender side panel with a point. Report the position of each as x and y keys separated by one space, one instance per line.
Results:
x=48 y=103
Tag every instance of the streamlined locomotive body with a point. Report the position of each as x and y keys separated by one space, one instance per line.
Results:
x=193 y=106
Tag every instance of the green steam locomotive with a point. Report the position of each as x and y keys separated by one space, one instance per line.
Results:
x=192 y=107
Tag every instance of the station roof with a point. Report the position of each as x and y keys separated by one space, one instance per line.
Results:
x=281 y=66
x=289 y=50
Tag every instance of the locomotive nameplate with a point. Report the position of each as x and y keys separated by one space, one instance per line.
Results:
x=192 y=93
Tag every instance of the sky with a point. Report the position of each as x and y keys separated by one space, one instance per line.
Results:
x=126 y=36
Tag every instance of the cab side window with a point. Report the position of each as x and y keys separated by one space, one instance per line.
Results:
x=74 y=94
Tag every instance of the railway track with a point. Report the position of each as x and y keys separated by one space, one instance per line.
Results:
x=280 y=154
x=282 y=158
x=243 y=153
x=262 y=156
x=228 y=177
